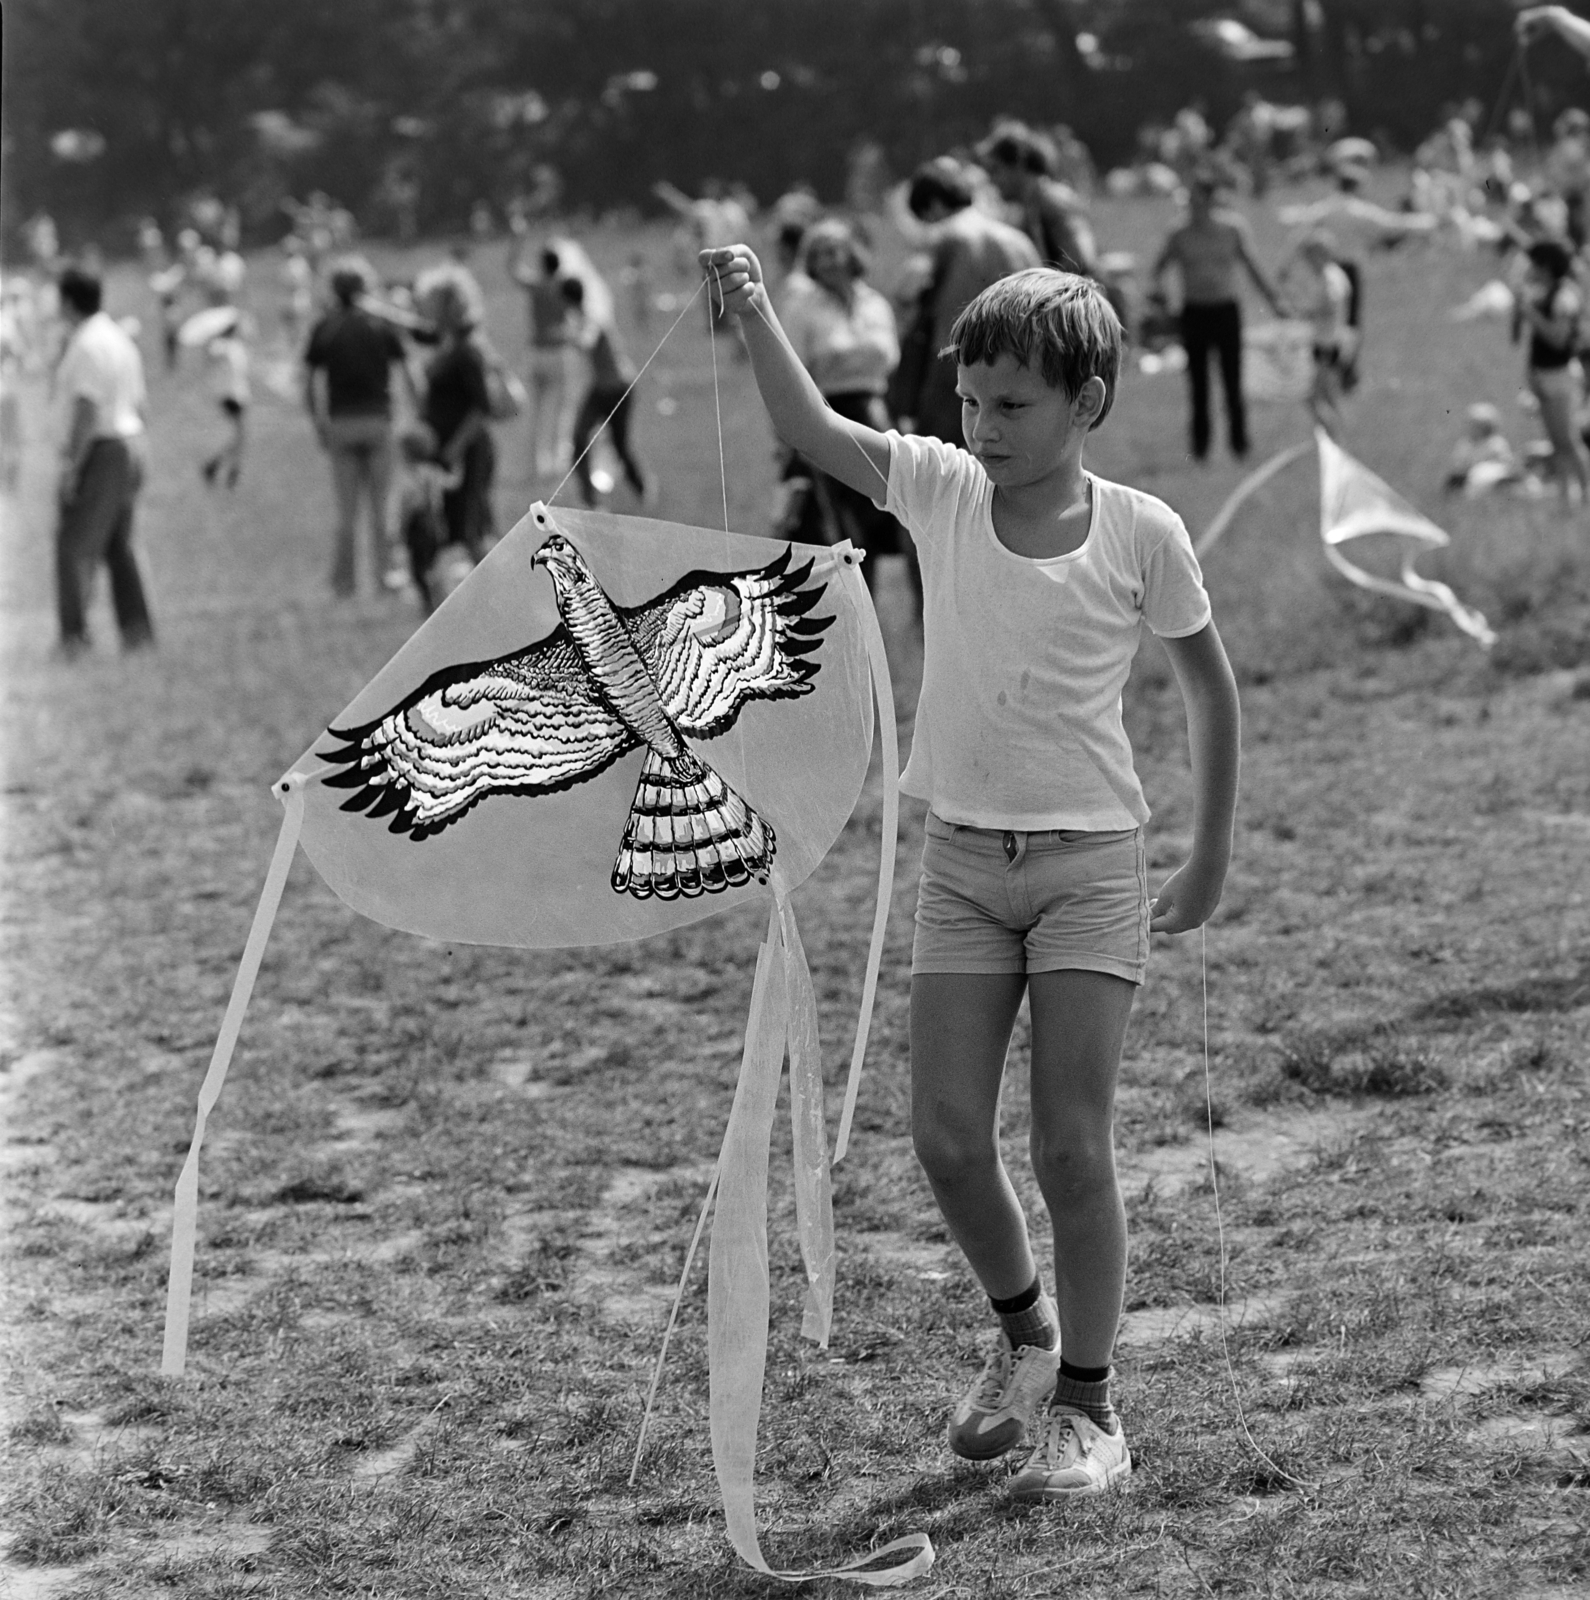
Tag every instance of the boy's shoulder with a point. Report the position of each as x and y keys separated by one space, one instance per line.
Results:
x=1131 y=511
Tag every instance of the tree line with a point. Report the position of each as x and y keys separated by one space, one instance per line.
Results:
x=412 y=112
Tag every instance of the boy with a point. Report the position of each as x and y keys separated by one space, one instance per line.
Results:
x=1037 y=577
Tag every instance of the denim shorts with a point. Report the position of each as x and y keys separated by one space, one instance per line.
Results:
x=994 y=901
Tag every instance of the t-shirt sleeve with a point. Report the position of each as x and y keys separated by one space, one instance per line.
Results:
x=927 y=481
x=1175 y=602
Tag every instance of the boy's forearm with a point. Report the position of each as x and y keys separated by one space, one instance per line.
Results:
x=1214 y=740
x=794 y=403
x=1214 y=737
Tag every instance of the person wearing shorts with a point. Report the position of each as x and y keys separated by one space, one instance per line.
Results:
x=998 y=900
x=1038 y=579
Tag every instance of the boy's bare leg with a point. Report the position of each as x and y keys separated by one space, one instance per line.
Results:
x=1078 y=1027
x=960 y=1031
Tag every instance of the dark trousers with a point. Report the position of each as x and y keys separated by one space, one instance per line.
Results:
x=467 y=509
x=1215 y=327
x=96 y=525
x=612 y=405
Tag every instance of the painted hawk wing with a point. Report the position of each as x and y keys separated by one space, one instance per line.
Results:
x=529 y=723
x=718 y=639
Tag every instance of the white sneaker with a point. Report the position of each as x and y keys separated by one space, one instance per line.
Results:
x=997 y=1411
x=1075 y=1456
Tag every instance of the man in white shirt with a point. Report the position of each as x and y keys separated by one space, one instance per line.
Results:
x=101 y=381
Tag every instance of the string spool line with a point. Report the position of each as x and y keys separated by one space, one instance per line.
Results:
x=717 y=404
x=1529 y=101
x=1220 y=1233
x=1502 y=95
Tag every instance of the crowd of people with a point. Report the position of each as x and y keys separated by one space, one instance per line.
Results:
x=1034 y=580
x=404 y=390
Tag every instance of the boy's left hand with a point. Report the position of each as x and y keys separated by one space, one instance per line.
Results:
x=1187 y=898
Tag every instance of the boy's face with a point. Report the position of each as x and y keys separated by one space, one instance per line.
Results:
x=1017 y=426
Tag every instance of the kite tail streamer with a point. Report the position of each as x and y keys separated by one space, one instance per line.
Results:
x=1249 y=486
x=889 y=743
x=814 y=1197
x=185 y=1212
x=737 y=1285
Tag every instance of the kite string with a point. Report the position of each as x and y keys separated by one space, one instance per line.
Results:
x=591 y=442
x=1220 y=1230
x=717 y=405
x=1529 y=101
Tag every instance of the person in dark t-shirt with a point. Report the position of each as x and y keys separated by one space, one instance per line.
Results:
x=348 y=390
x=457 y=403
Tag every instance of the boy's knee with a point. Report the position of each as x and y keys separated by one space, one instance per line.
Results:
x=950 y=1153
x=1073 y=1167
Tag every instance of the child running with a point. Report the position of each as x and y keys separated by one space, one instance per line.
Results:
x=1038 y=577
x=227 y=355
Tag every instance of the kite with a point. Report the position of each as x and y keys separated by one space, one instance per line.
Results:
x=616 y=726
x=1355 y=502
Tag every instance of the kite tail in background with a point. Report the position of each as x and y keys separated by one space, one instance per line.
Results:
x=185 y=1212
x=737 y=1283
x=689 y=833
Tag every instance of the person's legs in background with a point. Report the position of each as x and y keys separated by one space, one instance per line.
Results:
x=347 y=469
x=1229 y=346
x=95 y=526
x=380 y=458
x=616 y=406
x=1196 y=340
x=586 y=421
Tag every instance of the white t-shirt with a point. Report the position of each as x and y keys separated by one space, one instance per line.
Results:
x=228 y=357
x=1019 y=721
x=847 y=350
x=102 y=364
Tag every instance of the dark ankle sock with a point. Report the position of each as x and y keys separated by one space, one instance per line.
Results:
x=1090 y=1395
x=1025 y=1318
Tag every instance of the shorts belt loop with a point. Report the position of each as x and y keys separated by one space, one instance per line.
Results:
x=1012 y=846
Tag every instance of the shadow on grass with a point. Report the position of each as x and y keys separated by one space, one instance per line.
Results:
x=1528 y=994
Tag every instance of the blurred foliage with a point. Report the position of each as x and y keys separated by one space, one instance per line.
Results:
x=434 y=105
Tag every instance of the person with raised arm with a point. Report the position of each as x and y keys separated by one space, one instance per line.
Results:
x=1038 y=579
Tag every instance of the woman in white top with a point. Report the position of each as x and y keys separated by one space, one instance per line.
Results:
x=844 y=332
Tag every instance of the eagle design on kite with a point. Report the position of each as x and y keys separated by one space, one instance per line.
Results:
x=605 y=681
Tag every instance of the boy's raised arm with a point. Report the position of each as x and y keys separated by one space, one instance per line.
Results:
x=850 y=451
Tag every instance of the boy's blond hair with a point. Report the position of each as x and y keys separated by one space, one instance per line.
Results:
x=1058 y=323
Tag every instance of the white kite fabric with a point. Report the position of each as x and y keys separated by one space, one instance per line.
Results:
x=680 y=720
x=1354 y=502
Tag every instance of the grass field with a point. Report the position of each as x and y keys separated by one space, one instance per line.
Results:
x=446 y=1195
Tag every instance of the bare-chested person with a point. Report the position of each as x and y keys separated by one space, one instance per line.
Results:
x=1206 y=250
